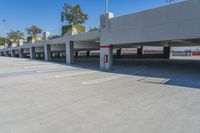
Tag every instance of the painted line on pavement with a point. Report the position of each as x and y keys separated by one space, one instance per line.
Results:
x=109 y=78
x=154 y=80
x=52 y=70
x=74 y=74
x=102 y=80
x=37 y=66
x=25 y=64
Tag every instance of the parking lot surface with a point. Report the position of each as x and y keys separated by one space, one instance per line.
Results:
x=140 y=96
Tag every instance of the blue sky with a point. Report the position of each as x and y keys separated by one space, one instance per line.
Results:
x=21 y=14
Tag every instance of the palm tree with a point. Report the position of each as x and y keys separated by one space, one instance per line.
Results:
x=15 y=36
x=73 y=15
x=33 y=31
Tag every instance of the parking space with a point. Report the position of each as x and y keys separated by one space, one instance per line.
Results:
x=139 y=96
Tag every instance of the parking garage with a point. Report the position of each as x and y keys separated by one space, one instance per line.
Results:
x=167 y=26
x=122 y=37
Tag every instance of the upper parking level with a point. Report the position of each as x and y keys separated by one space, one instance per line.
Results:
x=180 y=21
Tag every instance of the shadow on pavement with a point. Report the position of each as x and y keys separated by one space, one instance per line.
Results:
x=183 y=73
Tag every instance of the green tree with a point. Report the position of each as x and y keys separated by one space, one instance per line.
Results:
x=73 y=15
x=15 y=36
x=2 y=40
x=33 y=31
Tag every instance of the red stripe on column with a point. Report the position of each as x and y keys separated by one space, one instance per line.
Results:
x=106 y=46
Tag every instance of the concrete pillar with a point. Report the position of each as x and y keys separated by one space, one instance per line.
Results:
x=47 y=52
x=167 y=51
x=106 y=57
x=12 y=53
x=32 y=52
x=119 y=53
x=6 y=53
x=140 y=52
x=21 y=53
x=69 y=52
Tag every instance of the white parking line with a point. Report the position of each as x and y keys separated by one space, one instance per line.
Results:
x=109 y=78
x=19 y=71
x=154 y=80
x=37 y=66
x=51 y=70
x=74 y=74
x=102 y=80
x=23 y=64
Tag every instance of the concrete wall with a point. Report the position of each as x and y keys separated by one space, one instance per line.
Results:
x=172 y=22
x=26 y=50
x=39 y=49
x=86 y=45
x=58 y=47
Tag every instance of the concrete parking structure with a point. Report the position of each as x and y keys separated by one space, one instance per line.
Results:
x=167 y=26
x=92 y=89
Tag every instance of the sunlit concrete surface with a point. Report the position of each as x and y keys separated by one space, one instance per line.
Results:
x=186 y=57
x=140 y=96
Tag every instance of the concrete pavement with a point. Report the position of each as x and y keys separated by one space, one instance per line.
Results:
x=141 y=97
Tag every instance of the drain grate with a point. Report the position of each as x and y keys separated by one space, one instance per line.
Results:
x=154 y=80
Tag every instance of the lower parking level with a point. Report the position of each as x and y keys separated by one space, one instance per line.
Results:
x=144 y=96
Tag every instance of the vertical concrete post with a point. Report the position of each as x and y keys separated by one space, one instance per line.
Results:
x=167 y=52
x=47 y=52
x=21 y=53
x=106 y=57
x=69 y=52
x=6 y=53
x=12 y=53
x=106 y=51
x=140 y=52
x=32 y=52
